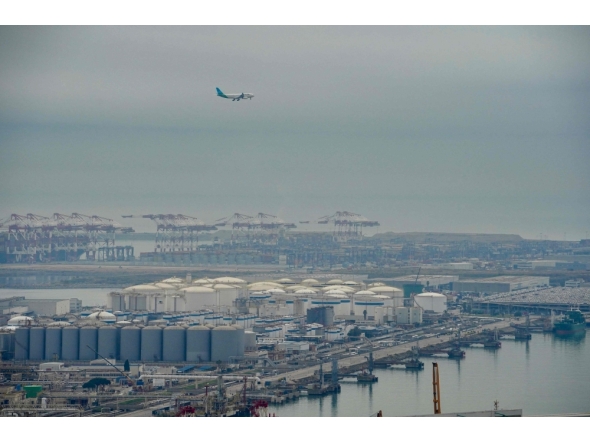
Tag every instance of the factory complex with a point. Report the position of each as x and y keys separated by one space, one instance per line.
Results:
x=209 y=320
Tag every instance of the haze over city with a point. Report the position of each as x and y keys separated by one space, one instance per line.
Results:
x=441 y=129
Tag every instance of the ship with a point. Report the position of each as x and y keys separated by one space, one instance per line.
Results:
x=572 y=323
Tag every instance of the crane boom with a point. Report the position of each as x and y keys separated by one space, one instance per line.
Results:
x=435 y=388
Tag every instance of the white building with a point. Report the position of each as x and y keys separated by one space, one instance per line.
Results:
x=49 y=307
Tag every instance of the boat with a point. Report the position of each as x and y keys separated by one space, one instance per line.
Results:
x=366 y=377
x=573 y=322
x=414 y=364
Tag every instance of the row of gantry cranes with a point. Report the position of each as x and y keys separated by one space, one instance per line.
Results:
x=37 y=238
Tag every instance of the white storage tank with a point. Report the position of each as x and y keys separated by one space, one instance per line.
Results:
x=37 y=344
x=199 y=298
x=151 y=344
x=224 y=343
x=435 y=302
x=130 y=344
x=227 y=294
x=70 y=343
x=137 y=302
x=21 y=346
x=174 y=344
x=367 y=304
x=88 y=337
x=394 y=293
x=116 y=301
x=175 y=303
x=198 y=344
x=108 y=342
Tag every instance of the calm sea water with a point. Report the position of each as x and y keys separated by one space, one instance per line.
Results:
x=544 y=376
x=88 y=296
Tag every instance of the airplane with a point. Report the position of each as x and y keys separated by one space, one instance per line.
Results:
x=234 y=97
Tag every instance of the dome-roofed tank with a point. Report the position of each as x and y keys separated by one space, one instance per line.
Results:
x=107 y=342
x=88 y=338
x=130 y=343
x=224 y=343
x=198 y=343
x=70 y=343
x=37 y=344
x=174 y=344
x=21 y=346
x=20 y=321
x=151 y=344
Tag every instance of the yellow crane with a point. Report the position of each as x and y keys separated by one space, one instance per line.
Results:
x=435 y=388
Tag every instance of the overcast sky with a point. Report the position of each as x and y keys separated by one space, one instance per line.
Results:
x=442 y=129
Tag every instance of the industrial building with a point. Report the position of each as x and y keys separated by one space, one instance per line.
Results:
x=428 y=281
x=500 y=284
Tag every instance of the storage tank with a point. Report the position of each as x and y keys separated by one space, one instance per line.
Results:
x=241 y=340
x=224 y=343
x=88 y=338
x=21 y=346
x=37 y=344
x=394 y=293
x=227 y=294
x=249 y=340
x=198 y=343
x=107 y=342
x=151 y=344
x=435 y=302
x=174 y=344
x=130 y=344
x=70 y=343
x=7 y=343
x=53 y=343
x=198 y=298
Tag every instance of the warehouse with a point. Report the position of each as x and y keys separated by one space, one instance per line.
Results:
x=500 y=284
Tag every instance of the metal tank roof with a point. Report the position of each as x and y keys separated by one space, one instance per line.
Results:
x=223 y=286
x=365 y=293
x=384 y=288
x=228 y=280
x=20 y=320
x=142 y=288
x=334 y=281
x=431 y=295
x=198 y=290
x=306 y=291
x=165 y=286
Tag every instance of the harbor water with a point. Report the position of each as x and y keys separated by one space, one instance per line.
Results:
x=547 y=375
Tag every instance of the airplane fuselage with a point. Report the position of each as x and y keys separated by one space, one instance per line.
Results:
x=234 y=97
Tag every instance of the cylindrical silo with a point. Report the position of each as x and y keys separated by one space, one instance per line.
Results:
x=151 y=344
x=88 y=338
x=241 y=341
x=224 y=343
x=198 y=344
x=107 y=342
x=21 y=336
x=130 y=344
x=250 y=340
x=70 y=343
x=174 y=344
x=37 y=344
x=53 y=343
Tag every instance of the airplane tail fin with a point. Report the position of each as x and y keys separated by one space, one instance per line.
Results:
x=219 y=92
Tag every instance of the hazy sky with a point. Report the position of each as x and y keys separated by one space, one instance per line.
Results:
x=448 y=129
